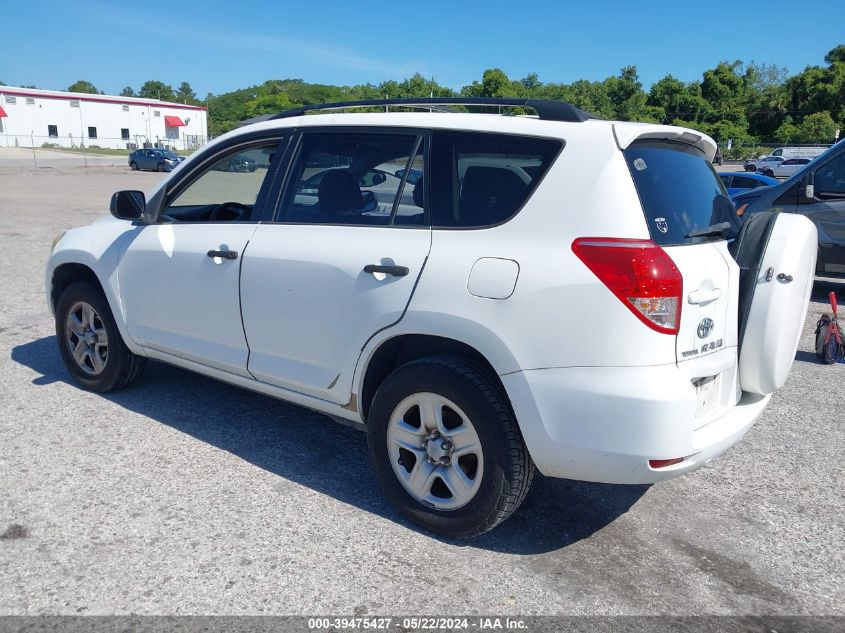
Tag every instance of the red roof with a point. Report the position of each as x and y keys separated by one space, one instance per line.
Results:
x=173 y=121
x=2 y=112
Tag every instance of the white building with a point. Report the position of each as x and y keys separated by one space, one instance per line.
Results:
x=35 y=118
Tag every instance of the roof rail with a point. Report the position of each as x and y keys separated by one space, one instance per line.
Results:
x=546 y=110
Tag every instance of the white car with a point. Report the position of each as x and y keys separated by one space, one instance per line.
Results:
x=786 y=168
x=554 y=292
x=763 y=163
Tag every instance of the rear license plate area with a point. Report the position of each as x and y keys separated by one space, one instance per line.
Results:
x=708 y=393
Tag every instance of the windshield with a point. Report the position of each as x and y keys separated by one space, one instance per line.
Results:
x=679 y=191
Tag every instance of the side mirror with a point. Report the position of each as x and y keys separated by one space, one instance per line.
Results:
x=128 y=205
x=810 y=186
x=378 y=178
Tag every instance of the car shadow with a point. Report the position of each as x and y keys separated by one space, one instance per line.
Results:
x=302 y=446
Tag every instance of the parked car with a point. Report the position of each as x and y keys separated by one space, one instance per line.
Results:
x=739 y=182
x=763 y=163
x=818 y=192
x=555 y=292
x=797 y=152
x=786 y=168
x=239 y=163
x=154 y=159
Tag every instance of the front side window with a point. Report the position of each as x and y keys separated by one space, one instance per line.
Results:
x=228 y=189
x=484 y=179
x=829 y=179
x=356 y=178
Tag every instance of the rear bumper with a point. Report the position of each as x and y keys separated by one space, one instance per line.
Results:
x=604 y=424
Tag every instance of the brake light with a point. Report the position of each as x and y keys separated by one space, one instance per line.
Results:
x=640 y=274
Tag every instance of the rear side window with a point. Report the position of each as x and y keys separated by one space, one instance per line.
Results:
x=481 y=179
x=679 y=191
x=742 y=182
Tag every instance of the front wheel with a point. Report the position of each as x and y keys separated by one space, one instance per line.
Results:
x=769 y=173
x=160 y=167
x=90 y=343
x=750 y=168
x=447 y=448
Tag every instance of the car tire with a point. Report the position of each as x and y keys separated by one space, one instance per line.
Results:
x=133 y=166
x=96 y=365
x=769 y=173
x=484 y=474
x=161 y=167
x=750 y=168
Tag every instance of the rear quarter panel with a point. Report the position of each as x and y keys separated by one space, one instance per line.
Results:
x=559 y=314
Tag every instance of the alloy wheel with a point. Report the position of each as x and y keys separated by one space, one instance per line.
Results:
x=86 y=338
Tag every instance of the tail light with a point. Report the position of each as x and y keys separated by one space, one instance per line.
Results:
x=640 y=274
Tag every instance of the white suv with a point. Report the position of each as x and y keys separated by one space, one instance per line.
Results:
x=482 y=293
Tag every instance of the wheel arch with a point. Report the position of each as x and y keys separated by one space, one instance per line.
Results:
x=404 y=348
x=72 y=270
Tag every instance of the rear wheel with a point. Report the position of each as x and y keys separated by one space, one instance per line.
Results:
x=90 y=343
x=133 y=166
x=750 y=168
x=447 y=448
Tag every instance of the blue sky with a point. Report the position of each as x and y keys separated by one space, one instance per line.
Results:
x=220 y=46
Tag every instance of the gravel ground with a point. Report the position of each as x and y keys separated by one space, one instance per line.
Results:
x=183 y=495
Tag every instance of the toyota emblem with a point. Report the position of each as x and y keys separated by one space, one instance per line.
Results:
x=705 y=327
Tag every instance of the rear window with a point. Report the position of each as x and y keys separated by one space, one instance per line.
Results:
x=482 y=179
x=679 y=191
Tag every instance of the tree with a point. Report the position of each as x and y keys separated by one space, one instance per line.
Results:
x=2 y=84
x=817 y=128
x=626 y=94
x=787 y=132
x=531 y=82
x=127 y=92
x=83 y=86
x=836 y=55
x=157 y=90
x=495 y=83
x=185 y=94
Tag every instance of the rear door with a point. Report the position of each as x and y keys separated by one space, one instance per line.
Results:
x=340 y=261
x=682 y=197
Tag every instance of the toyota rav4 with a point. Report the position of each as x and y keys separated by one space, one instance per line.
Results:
x=550 y=291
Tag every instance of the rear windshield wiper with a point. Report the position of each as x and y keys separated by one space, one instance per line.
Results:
x=714 y=230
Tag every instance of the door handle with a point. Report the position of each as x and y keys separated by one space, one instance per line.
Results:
x=784 y=278
x=223 y=254
x=395 y=271
x=704 y=296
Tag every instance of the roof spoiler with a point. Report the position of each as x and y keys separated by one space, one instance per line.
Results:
x=627 y=133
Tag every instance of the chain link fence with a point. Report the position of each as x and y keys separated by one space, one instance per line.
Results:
x=70 y=150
